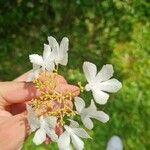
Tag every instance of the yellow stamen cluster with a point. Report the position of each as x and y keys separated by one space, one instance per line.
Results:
x=81 y=87
x=52 y=102
x=45 y=81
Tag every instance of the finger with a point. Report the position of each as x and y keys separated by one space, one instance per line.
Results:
x=17 y=108
x=17 y=92
x=59 y=130
x=47 y=141
x=60 y=80
x=4 y=113
x=68 y=88
x=23 y=77
x=13 y=132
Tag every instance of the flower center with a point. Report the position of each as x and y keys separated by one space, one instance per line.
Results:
x=51 y=102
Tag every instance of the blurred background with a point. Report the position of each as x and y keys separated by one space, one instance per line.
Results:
x=100 y=31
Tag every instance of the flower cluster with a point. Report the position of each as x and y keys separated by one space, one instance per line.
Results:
x=55 y=109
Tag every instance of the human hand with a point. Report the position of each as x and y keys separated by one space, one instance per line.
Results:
x=13 y=120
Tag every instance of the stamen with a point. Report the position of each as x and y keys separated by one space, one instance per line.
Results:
x=81 y=87
x=51 y=102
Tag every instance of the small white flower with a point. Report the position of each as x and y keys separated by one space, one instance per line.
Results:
x=43 y=63
x=42 y=126
x=59 y=52
x=72 y=134
x=53 y=54
x=100 y=83
x=89 y=112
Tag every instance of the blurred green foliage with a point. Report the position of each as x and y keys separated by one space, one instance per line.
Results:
x=106 y=31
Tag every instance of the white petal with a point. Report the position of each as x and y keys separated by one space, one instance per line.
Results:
x=81 y=132
x=34 y=73
x=73 y=124
x=92 y=106
x=77 y=142
x=90 y=71
x=36 y=59
x=54 y=45
x=115 y=143
x=36 y=67
x=49 y=65
x=101 y=116
x=64 y=44
x=64 y=60
x=99 y=96
x=63 y=54
x=87 y=122
x=48 y=58
x=46 y=52
x=105 y=73
x=53 y=42
x=64 y=141
x=79 y=104
x=37 y=72
x=43 y=122
x=51 y=133
x=51 y=121
x=39 y=137
x=68 y=148
x=32 y=119
x=111 y=86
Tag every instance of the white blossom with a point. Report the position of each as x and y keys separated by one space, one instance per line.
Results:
x=53 y=54
x=72 y=134
x=100 y=83
x=88 y=113
x=59 y=52
x=42 y=126
x=41 y=63
x=115 y=143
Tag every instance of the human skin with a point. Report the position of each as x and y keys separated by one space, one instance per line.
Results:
x=14 y=95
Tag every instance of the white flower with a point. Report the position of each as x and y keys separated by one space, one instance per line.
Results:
x=72 y=133
x=59 y=52
x=44 y=62
x=100 y=83
x=42 y=126
x=88 y=113
x=53 y=54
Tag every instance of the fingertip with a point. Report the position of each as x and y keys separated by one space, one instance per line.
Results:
x=75 y=90
x=17 y=92
x=60 y=79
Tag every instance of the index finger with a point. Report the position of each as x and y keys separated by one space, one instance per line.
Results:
x=16 y=92
x=59 y=79
x=23 y=77
x=68 y=88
